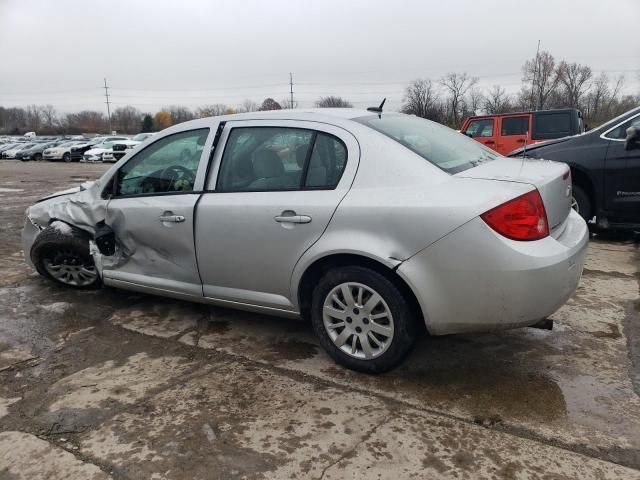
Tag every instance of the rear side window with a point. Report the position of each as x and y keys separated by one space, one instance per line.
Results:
x=514 y=126
x=480 y=128
x=551 y=125
x=443 y=147
x=620 y=132
x=258 y=159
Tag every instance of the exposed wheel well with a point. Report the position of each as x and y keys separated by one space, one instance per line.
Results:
x=316 y=270
x=583 y=181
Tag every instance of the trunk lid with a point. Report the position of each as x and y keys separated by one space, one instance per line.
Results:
x=552 y=179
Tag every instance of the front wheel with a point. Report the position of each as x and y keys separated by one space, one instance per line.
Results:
x=37 y=157
x=363 y=320
x=66 y=157
x=61 y=252
x=580 y=203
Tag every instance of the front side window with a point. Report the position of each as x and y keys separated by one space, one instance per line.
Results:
x=168 y=165
x=280 y=159
x=443 y=147
x=515 y=126
x=620 y=132
x=480 y=128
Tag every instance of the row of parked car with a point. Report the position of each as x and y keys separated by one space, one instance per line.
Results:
x=69 y=149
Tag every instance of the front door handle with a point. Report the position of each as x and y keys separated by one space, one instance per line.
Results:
x=489 y=142
x=171 y=218
x=293 y=219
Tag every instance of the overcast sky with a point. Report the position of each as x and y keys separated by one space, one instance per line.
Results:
x=190 y=52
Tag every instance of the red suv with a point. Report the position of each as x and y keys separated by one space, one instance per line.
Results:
x=506 y=132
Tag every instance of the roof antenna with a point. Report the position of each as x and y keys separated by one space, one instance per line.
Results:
x=377 y=109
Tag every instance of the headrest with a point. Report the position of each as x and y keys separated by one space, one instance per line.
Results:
x=267 y=164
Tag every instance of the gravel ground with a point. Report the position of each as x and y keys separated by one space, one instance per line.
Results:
x=111 y=384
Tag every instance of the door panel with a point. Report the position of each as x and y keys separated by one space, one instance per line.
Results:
x=484 y=131
x=152 y=210
x=514 y=132
x=248 y=242
x=157 y=252
x=622 y=182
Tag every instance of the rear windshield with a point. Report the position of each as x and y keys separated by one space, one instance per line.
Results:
x=447 y=149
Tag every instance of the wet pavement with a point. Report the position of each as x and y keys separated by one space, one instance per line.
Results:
x=113 y=384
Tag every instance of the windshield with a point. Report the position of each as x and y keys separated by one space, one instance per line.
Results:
x=140 y=137
x=447 y=149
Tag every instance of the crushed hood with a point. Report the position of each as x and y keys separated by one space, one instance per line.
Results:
x=80 y=206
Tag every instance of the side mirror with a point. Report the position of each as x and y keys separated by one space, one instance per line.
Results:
x=469 y=134
x=633 y=138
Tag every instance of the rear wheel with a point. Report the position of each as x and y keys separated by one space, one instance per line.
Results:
x=362 y=319
x=61 y=252
x=37 y=157
x=580 y=203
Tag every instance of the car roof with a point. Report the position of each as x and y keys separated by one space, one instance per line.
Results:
x=333 y=116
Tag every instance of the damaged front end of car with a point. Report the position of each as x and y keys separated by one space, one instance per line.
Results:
x=76 y=212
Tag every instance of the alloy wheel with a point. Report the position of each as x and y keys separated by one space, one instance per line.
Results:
x=67 y=267
x=358 y=320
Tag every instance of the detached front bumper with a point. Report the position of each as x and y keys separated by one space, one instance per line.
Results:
x=475 y=280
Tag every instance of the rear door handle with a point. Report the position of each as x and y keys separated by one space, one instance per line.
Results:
x=293 y=219
x=521 y=140
x=171 y=218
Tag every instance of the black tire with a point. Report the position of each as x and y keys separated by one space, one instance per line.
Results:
x=37 y=157
x=582 y=203
x=51 y=241
x=404 y=314
x=22 y=159
x=66 y=157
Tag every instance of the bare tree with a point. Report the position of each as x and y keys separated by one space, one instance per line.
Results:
x=541 y=74
x=34 y=117
x=126 y=119
x=214 y=110
x=474 y=100
x=497 y=100
x=86 y=121
x=422 y=99
x=49 y=117
x=333 y=101
x=270 y=104
x=249 y=106
x=575 y=81
x=457 y=85
x=179 y=114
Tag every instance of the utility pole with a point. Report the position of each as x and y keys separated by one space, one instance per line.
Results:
x=106 y=94
x=533 y=81
x=291 y=89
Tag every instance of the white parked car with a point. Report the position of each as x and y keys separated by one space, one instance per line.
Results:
x=122 y=146
x=61 y=152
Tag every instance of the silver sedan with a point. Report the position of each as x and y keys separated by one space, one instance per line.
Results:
x=371 y=225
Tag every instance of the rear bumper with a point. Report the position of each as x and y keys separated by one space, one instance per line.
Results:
x=475 y=280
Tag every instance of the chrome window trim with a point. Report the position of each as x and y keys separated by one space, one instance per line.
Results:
x=604 y=134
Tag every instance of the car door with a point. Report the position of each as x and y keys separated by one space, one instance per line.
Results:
x=483 y=130
x=622 y=174
x=151 y=211
x=271 y=195
x=513 y=132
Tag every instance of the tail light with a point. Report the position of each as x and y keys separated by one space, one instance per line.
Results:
x=523 y=218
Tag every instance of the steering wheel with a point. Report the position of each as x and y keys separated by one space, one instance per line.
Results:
x=177 y=174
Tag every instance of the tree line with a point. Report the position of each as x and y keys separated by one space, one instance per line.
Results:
x=546 y=83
